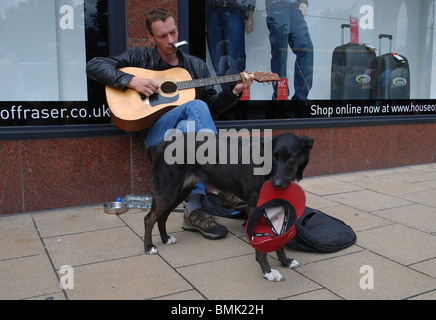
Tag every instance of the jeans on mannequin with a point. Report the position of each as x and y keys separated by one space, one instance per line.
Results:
x=287 y=27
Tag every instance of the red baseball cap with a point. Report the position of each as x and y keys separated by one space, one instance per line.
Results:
x=272 y=223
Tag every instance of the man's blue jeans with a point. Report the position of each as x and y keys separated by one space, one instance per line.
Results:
x=182 y=117
x=287 y=26
x=226 y=40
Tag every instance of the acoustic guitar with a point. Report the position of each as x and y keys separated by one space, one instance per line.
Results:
x=132 y=111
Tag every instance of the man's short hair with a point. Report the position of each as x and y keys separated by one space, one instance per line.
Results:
x=157 y=15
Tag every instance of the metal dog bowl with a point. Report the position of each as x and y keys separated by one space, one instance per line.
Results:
x=114 y=207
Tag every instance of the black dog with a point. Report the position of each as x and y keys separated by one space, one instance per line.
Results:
x=172 y=183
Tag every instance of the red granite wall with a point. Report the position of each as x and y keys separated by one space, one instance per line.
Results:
x=48 y=174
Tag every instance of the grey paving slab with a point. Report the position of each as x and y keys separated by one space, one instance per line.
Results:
x=315 y=201
x=135 y=278
x=326 y=185
x=427 y=198
x=92 y=247
x=28 y=277
x=318 y=294
x=391 y=281
x=399 y=243
x=20 y=243
x=241 y=278
x=427 y=267
x=192 y=248
x=392 y=212
x=357 y=219
x=368 y=200
x=417 y=216
x=392 y=186
x=74 y=220
x=15 y=222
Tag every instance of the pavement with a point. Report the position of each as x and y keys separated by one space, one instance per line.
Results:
x=82 y=253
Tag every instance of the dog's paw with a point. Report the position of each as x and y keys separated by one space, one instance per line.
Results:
x=171 y=240
x=153 y=250
x=294 y=264
x=274 y=276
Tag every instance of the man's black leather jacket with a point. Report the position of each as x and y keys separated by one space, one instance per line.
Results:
x=105 y=71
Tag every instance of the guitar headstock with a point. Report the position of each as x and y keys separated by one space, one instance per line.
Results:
x=260 y=76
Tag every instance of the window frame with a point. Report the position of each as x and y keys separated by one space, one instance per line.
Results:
x=198 y=45
x=117 y=19
x=189 y=31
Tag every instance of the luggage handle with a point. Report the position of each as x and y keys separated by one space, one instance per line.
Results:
x=343 y=26
x=387 y=36
x=346 y=25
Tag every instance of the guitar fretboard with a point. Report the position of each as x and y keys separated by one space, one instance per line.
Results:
x=208 y=81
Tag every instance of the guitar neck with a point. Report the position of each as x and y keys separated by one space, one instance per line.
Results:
x=189 y=84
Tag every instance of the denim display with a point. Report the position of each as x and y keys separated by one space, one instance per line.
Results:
x=226 y=40
x=287 y=26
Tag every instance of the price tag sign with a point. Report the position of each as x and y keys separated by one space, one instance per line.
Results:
x=354 y=29
x=282 y=89
x=246 y=94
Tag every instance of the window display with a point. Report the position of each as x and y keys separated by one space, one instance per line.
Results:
x=337 y=58
x=34 y=52
x=44 y=48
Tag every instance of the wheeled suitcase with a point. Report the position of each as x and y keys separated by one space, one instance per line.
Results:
x=393 y=74
x=353 y=70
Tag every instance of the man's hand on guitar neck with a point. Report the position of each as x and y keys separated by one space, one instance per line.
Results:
x=242 y=85
x=144 y=86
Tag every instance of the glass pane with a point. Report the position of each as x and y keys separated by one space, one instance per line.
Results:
x=42 y=55
x=44 y=48
x=328 y=53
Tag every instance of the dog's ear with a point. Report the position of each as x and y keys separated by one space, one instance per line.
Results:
x=306 y=147
x=274 y=141
x=307 y=143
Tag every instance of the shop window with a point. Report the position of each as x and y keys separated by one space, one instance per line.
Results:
x=44 y=48
x=320 y=78
x=45 y=45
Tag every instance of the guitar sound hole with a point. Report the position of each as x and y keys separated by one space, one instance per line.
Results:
x=168 y=87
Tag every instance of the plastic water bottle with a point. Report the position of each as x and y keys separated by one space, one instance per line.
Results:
x=137 y=201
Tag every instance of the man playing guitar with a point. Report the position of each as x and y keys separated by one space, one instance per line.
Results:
x=164 y=34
